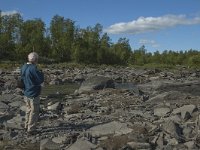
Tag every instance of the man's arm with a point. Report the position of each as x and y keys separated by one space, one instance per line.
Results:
x=39 y=76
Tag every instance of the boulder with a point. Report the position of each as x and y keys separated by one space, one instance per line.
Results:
x=113 y=127
x=82 y=144
x=96 y=83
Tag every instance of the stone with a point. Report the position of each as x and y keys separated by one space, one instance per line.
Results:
x=172 y=128
x=161 y=111
x=191 y=145
x=82 y=144
x=187 y=131
x=59 y=139
x=3 y=107
x=113 y=127
x=48 y=144
x=15 y=122
x=96 y=83
x=17 y=104
x=138 y=145
x=54 y=107
x=184 y=110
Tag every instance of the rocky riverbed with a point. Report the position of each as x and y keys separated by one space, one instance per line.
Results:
x=105 y=109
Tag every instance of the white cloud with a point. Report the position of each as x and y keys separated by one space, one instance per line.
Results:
x=147 y=24
x=8 y=13
x=149 y=42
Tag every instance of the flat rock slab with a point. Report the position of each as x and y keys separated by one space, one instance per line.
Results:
x=3 y=107
x=10 y=98
x=82 y=144
x=96 y=83
x=17 y=104
x=14 y=123
x=184 y=109
x=137 y=145
x=114 y=127
x=172 y=128
x=161 y=111
x=48 y=144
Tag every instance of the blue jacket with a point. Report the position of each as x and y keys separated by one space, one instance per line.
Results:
x=32 y=78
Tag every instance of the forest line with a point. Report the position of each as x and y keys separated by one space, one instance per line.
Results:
x=64 y=41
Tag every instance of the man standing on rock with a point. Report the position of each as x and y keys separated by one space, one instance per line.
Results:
x=32 y=78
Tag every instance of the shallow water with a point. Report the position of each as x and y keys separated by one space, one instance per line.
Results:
x=58 y=91
x=63 y=89
x=127 y=86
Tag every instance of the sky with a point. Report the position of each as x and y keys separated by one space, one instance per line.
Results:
x=156 y=24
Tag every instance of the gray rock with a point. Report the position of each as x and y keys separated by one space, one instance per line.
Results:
x=96 y=83
x=17 y=104
x=15 y=123
x=187 y=132
x=82 y=144
x=7 y=97
x=6 y=116
x=114 y=127
x=3 y=107
x=54 y=107
x=90 y=113
x=153 y=85
x=48 y=144
x=137 y=145
x=79 y=78
x=160 y=140
x=173 y=129
x=55 y=82
x=59 y=139
x=172 y=141
x=184 y=110
x=167 y=96
x=191 y=87
x=191 y=145
x=16 y=71
x=23 y=108
x=174 y=118
x=161 y=111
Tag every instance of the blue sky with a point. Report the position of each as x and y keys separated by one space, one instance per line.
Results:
x=157 y=24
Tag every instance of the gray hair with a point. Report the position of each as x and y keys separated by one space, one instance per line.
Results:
x=33 y=57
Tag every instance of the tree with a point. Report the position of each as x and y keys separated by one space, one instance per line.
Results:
x=62 y=36
x=9 y=35
x=32 y=38
x=87 y=44
x=79 y=47
x=139 y=56
x=104 y=54
x=194 y=60
x=156 y=58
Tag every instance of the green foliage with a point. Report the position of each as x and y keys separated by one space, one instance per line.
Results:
x=9 y=35
x=31 y=38
x=9 y=65
x=64 y=42
x=139 y=56
x=62 y=38
x=194 y=60
x=122 y=51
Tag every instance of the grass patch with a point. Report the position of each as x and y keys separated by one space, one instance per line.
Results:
x=9 y=65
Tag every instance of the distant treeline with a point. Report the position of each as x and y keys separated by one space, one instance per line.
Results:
x=63 y=41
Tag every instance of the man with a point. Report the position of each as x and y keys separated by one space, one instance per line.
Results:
x=32 y=78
